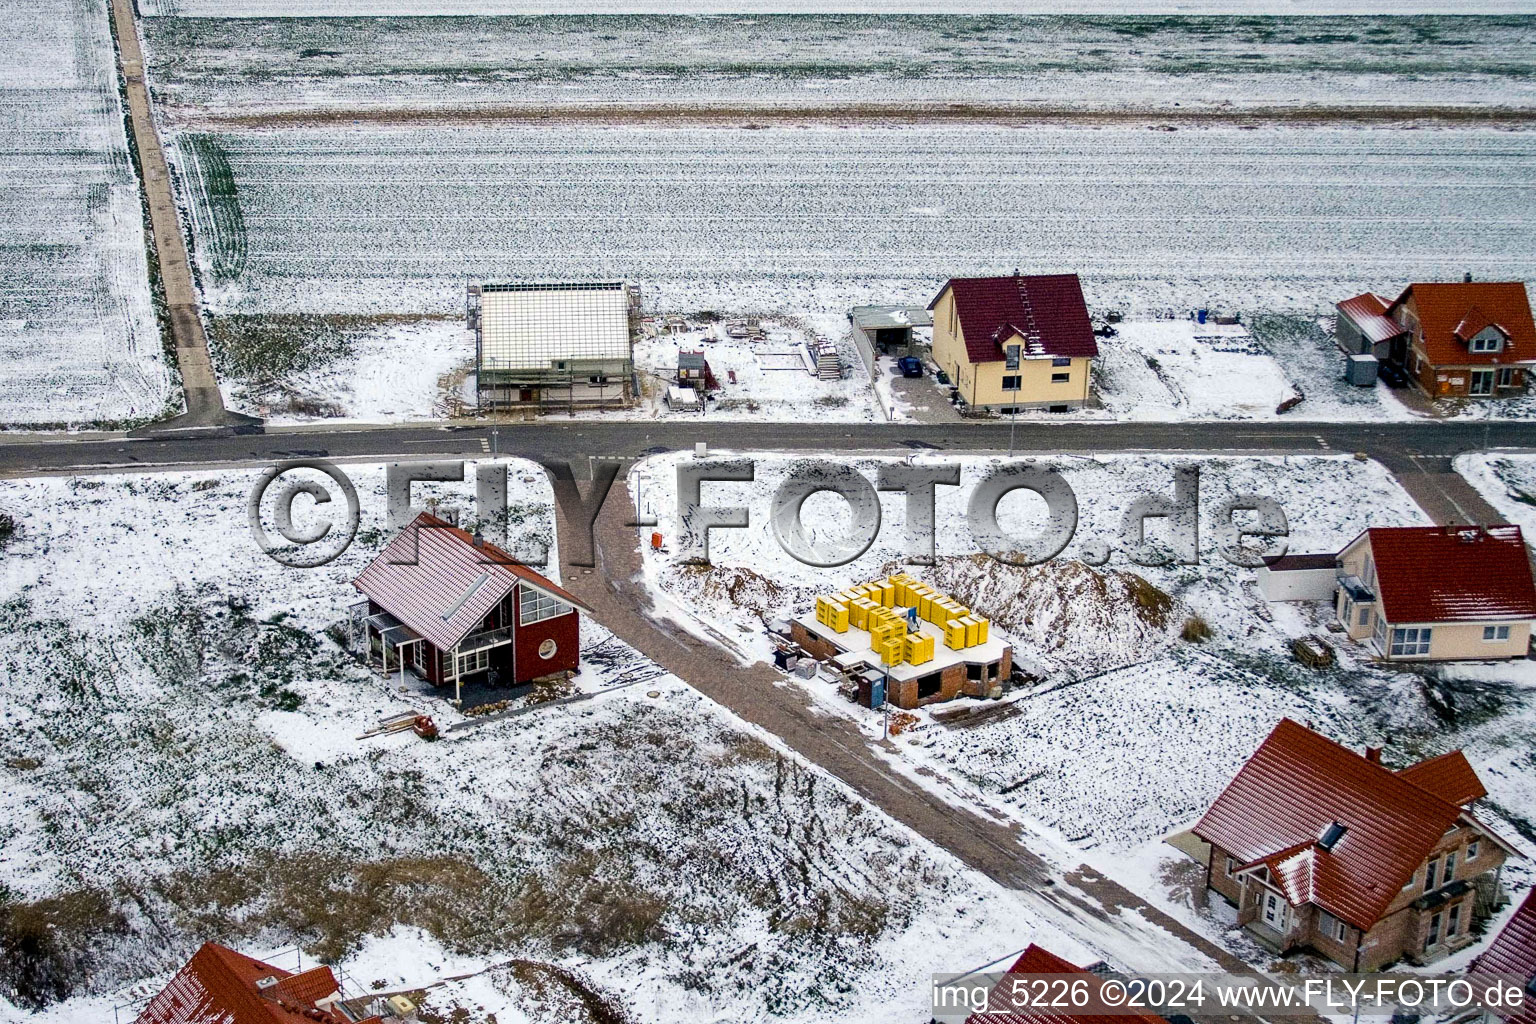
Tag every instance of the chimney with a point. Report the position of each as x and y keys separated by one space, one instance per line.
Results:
x=1466 y=278
x=1373 y=755
x=1015 y=271
x=477 y=540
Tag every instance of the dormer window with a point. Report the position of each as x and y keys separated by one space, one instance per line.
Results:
x=1487 y=342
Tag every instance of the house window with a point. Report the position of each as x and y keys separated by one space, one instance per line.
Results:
x=1331 y=926
x=475 y=661
x=1472 y=851
x=1450 y=868
x=1429 y=875
x=1365 y=616
x=1496 y=633
x=1012 y=382
x=535 y=606
x=1434 y=931
x=1381 y=633
x=1453 y=923
x=1506 y=376
x=1482 y=382
x=1231 y=865
x=1410 y=642
x=1062 y=361
x=1488 y=344
x=1061 y=378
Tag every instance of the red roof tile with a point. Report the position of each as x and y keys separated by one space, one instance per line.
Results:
x=1368 y=312
x=1293 y=788
x=1514 y=952
x=1039 y=961
x=1449 y=776
x=1443 y=308
x=219 y=986
x=1046 y=309
x=1452 y=574
x=434 y=579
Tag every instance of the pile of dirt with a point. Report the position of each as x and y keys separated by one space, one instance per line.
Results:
x=1074 y=616
x=742 y=588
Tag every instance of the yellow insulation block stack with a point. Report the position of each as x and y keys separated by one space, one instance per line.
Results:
x=981 y=628
x=858 y=612
x=832 y=614
x=954 y=636
x=972 y=630
x=919 y=648
x=891 y=651
x=882 y=633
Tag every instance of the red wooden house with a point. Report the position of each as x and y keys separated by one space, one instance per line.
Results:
x=220 y=986
x=452 y=608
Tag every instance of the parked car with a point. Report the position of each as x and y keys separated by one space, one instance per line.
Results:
x=910 y=366
x=1391 y=375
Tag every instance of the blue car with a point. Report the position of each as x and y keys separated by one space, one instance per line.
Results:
x=910 y=366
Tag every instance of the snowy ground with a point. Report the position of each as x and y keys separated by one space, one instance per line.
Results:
x=382 y=370
x=669 y=856
x=1507 y=481
x=816 y=220
x=78 y=336
x=217 y=67
x=760 y=379
x=334 y=8
x=1129 y=731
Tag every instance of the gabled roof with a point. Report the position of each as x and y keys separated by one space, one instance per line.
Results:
x=1046 y=309
x=1039 y=961
x=1449 y=776
x=439 y=583
x=1514 y=952
x=219 y=986
x=1444 y=310
x=1452 y=573
x=1296 y=785
x=1368 y=311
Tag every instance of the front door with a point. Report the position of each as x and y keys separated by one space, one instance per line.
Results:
x=1482 y=382
x=1274 y=911
x=1399 y=351
x=1434 y=931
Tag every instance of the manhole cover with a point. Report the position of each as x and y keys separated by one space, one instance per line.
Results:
x=653 y=693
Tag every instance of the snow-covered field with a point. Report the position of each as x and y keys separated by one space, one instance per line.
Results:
x=78 y=336
x=218 y=67
x=281 y=8
x=181 y=762
x=362 y=219
x=1507 y=482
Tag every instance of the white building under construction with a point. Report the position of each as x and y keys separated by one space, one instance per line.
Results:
x=554 y=345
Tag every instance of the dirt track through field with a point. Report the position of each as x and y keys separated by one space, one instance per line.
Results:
x=205 y=404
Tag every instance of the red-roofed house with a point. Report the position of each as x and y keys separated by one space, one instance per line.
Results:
x=1513 y=952
x=1040 y=961
x=1323 y=848
x=1438 y=592
x=1472 y=339
x=220 y=986
x=1019 y=342
x=451 y=607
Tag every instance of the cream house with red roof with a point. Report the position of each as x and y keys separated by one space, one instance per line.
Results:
x=1017 y=342
x=1438 y=592
x=1472 y=339
x=1322 y=848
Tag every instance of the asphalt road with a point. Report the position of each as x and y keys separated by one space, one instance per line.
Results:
x=1405 y=448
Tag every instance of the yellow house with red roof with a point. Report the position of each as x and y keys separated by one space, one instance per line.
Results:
x=1016 y=342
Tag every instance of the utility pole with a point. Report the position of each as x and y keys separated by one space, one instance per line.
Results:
x=495 y=436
